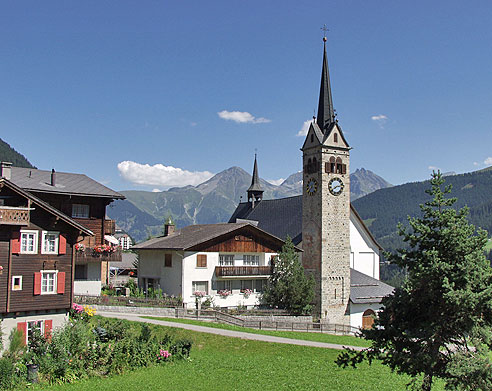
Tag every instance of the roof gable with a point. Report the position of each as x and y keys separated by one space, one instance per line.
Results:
x=329 y=138
x=204 y=236
x=45 y=206
x=316 y=139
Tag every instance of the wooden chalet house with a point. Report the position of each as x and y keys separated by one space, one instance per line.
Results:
x=84 y=201
x=37 y=258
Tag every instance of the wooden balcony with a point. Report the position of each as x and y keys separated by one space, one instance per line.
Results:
x=242 y=271
x=14 y=215
x=89 y=255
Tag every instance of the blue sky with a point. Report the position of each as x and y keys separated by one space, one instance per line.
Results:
x=142 y=94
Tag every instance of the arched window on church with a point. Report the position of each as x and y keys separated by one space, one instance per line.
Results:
x=335 y=137
x=331 y=165
x=312 y=137
x=339 y=165
x=368 y=319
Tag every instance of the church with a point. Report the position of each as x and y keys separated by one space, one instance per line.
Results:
x=229 y=263
x=338 y=249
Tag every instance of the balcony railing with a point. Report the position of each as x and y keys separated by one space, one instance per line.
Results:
x=242 y=271
x=14 y=215
x=89 y=254
x=109 y=227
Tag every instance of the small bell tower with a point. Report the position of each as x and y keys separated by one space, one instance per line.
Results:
x=255 y=192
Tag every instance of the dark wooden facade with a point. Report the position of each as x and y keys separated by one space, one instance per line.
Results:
x=15 y=263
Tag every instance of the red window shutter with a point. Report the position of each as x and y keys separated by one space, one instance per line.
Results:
x=48 y=327
x=60 y=284
x=22 y=327
x=15 y=242
x=62 y=244
x=37 y=283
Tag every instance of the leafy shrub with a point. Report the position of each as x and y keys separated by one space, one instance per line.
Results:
x=181 y=348
x=7 y=372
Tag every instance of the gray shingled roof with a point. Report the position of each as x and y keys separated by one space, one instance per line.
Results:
x=280 y=217
x=365 y=289
x=66 y=183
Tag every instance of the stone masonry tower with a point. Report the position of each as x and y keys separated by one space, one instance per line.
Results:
x=326 y=208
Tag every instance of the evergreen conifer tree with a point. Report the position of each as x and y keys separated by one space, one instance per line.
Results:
x=288 y=287
x=439 y=323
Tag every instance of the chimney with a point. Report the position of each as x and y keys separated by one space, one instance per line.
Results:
x=169 y=227
x=53 y=177
x=6 y=170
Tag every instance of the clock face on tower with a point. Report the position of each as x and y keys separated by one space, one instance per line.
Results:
x=311 y=186
x=335 y=186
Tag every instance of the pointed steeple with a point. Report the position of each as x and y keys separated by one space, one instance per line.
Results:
x=326 y=114
x=255 y=192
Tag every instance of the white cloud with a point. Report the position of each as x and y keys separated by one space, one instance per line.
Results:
x=241 y=117
x=380 y=119
x=433 y=168
x=488 y=161
x=156 y=190
x=305 y=128
x=160 y=175
x=276 y=182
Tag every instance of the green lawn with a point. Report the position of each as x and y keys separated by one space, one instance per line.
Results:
x=312 y=336
x=224 y=363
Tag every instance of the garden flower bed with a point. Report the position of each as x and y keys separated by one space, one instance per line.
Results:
x=88 y=346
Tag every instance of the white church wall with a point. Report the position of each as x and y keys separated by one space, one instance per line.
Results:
x=364 y=255
x=357 y=310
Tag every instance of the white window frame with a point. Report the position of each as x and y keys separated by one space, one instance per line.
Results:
x=194 y=289
x=35 y=241
x=29 y=324
x=226 y=262
x=251 y=260
x=55 y=281
x=43 y=242
x=20 y=283
x=81 y=211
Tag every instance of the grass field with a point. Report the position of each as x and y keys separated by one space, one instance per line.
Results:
x=312 y=336
x=224 y=363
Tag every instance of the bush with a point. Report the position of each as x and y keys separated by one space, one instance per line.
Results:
x=7 y=373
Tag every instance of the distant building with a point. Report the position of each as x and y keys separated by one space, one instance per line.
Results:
x=124 y=240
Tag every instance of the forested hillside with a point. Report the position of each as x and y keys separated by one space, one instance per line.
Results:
x=9 y=154
x=383 y=209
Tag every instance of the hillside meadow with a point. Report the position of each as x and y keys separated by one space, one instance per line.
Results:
x=224 y=363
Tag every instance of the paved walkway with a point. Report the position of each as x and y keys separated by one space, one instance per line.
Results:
x=226 y=333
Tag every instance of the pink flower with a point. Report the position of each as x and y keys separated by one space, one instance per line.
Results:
x=164 y=353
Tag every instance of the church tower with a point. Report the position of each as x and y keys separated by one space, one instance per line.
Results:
x=326 y=208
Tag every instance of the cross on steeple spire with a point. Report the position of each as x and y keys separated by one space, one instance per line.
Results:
x=326 y=114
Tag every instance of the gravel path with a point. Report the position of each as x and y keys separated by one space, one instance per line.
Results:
x=226 y=333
